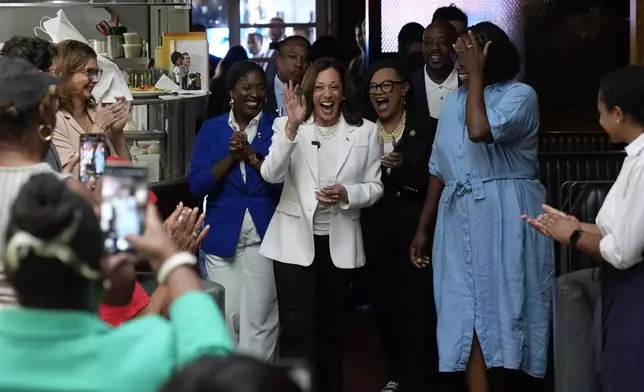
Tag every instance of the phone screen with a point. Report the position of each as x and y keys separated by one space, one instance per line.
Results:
x=92 y=156
x=124 y=199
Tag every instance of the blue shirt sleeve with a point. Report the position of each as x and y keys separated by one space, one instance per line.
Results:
x=514 y=115
x=200 y=178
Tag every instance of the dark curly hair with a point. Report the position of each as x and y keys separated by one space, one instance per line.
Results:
x=503 y=61
x=449 y=13
x=36 y=50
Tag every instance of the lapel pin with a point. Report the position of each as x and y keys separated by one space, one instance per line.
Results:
x=279 y=112
x=348 y=139
x=412 y=133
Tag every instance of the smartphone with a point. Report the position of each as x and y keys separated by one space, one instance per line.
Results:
x=92 y=156
x=299 y=372
x=124 y=199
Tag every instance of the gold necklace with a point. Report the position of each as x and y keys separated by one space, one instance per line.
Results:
x=391 y=137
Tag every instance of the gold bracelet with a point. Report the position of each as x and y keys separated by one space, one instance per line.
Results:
x=288 y=124
x=100 y=126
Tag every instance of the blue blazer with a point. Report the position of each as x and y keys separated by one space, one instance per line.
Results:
x=229 y=198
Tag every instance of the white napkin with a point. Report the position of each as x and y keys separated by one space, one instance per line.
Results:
x=165 y=83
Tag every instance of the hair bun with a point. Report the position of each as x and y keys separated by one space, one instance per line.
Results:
x=44 y=206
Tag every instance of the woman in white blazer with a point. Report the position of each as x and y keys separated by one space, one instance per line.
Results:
x=329 y=160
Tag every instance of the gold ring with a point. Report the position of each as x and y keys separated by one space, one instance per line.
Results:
x=195 y=234
x=470 y=46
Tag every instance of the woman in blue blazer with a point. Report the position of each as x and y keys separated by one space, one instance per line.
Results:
x=224 y=169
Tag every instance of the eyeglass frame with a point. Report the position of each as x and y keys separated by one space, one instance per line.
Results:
x=91 y=72
x=373 y=87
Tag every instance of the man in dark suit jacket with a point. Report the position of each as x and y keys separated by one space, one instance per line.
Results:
x=431 y=83
x=292 y=62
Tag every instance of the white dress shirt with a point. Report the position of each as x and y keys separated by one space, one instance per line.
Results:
x=279 y=95
x=250 y=131
x=621 y=218
x=327 y=154
x=436 y=93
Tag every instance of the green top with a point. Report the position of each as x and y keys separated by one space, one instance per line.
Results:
x=46 y=350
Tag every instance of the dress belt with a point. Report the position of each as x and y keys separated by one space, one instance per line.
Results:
x=474 y=185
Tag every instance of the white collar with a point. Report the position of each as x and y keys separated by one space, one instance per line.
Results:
x=635 y=147
x=278 y=82
x=451 y=82
x=233 y=123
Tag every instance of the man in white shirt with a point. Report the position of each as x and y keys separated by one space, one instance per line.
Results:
x=433 y=82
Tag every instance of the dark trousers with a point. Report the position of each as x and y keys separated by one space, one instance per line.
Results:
x=622 y=328
x=402 y=297
x=311 y=303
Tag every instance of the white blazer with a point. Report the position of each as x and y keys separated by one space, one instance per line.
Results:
x=289 y=237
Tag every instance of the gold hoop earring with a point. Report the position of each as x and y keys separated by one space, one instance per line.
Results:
x=45 y=127
x=232 y=103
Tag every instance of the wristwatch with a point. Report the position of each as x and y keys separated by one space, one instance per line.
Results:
x=574 y=237
x=255 y=159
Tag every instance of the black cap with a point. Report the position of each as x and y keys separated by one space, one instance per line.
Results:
x=22 y=85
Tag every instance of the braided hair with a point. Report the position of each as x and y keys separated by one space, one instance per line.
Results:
x=53 y=245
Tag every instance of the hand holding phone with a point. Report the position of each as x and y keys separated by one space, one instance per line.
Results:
x=154 y=243
x=124 y=194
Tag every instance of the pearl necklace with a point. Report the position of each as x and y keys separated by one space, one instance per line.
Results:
x=327 y=132
x=385 y=136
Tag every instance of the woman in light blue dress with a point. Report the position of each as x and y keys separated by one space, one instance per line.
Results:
x=493 y=275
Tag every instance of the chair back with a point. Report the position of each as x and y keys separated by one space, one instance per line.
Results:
x=170 y=193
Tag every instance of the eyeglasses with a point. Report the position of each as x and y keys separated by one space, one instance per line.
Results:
x=386 y=87
x=93 y=72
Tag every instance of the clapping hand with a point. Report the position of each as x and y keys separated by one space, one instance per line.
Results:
x=239 y=146
x=184 y=226
x=121 y=115
x=554 y=224
x=109 y=115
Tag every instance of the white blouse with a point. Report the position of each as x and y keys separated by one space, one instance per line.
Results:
x=621 y=217
x=327 y=156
